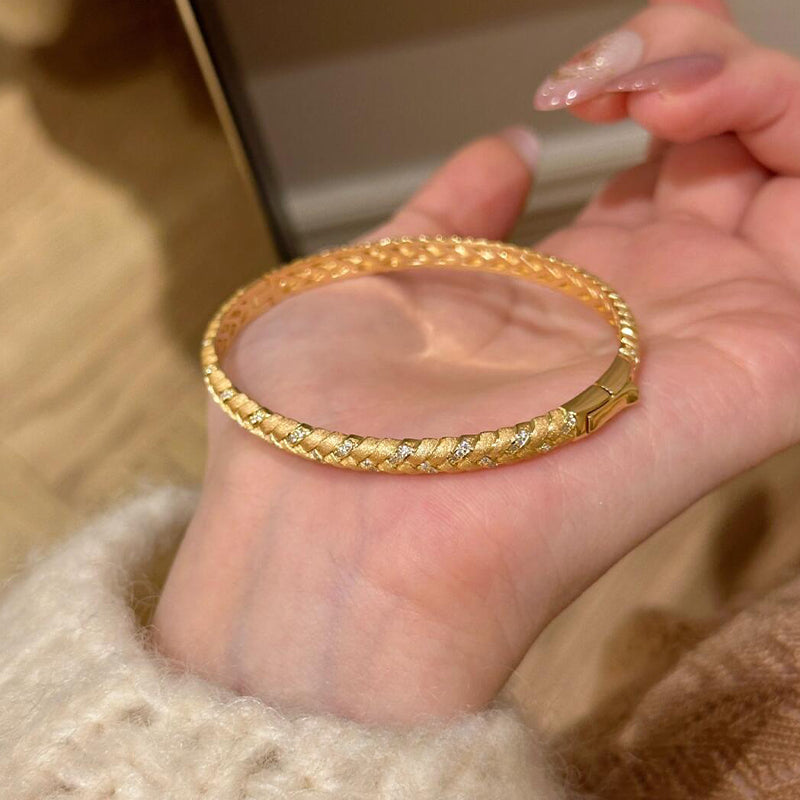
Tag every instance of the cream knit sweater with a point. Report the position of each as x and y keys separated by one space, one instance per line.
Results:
x=90 y=711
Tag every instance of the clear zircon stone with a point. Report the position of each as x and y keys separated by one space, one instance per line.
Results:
x=521 y=438
x=345 y=448
x=298 y=434
x=462 y=449
x=257 y=416
x=401 y=454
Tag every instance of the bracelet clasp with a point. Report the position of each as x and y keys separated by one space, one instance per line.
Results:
x=605 y=398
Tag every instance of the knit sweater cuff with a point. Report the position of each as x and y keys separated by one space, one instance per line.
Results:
x=90 y=710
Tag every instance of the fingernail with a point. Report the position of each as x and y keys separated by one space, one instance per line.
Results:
x=683 y=72
x=525 y=142
x=587 y=74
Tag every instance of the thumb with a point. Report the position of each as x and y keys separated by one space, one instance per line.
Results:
x=718 y=8
x=480 y=191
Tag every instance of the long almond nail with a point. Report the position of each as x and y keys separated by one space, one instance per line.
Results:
x=588 y=73
x=669 y=74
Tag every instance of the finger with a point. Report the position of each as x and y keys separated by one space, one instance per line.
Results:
x=771 y=224
x=626 y=201
x=714 y=180
x=479 y=192
x=755 y=93
x=605 y=108
x=687 y=74
x=717 y=7
x=657 y=149
x=612 y=107
x=582 y=81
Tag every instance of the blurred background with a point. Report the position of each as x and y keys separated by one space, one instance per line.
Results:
x=345 y=109
x=124 y=223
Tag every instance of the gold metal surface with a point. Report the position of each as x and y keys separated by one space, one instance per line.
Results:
x=581 y=415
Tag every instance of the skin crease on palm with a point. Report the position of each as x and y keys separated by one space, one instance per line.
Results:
x=395 y=599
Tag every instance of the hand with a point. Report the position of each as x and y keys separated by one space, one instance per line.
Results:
x=393 y=598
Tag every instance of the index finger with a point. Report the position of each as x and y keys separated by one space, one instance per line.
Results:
x=656 y=71
x=755 y=94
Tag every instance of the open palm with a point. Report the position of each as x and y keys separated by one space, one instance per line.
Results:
x=464 y=570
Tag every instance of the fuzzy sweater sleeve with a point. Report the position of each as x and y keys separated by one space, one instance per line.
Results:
x=89 y=710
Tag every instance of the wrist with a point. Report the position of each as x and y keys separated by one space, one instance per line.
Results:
x=306 y=607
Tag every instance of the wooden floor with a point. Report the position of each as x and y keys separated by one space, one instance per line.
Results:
x=122 y=225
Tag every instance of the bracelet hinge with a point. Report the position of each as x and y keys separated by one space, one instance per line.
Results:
x=605 y=398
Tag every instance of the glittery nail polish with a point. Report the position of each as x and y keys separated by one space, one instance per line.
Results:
x=587 y=74
x=669 y=74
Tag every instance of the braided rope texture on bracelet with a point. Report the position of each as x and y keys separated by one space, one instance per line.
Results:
x=465 y=452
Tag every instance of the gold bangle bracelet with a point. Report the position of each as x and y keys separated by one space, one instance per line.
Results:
x=581 y=415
